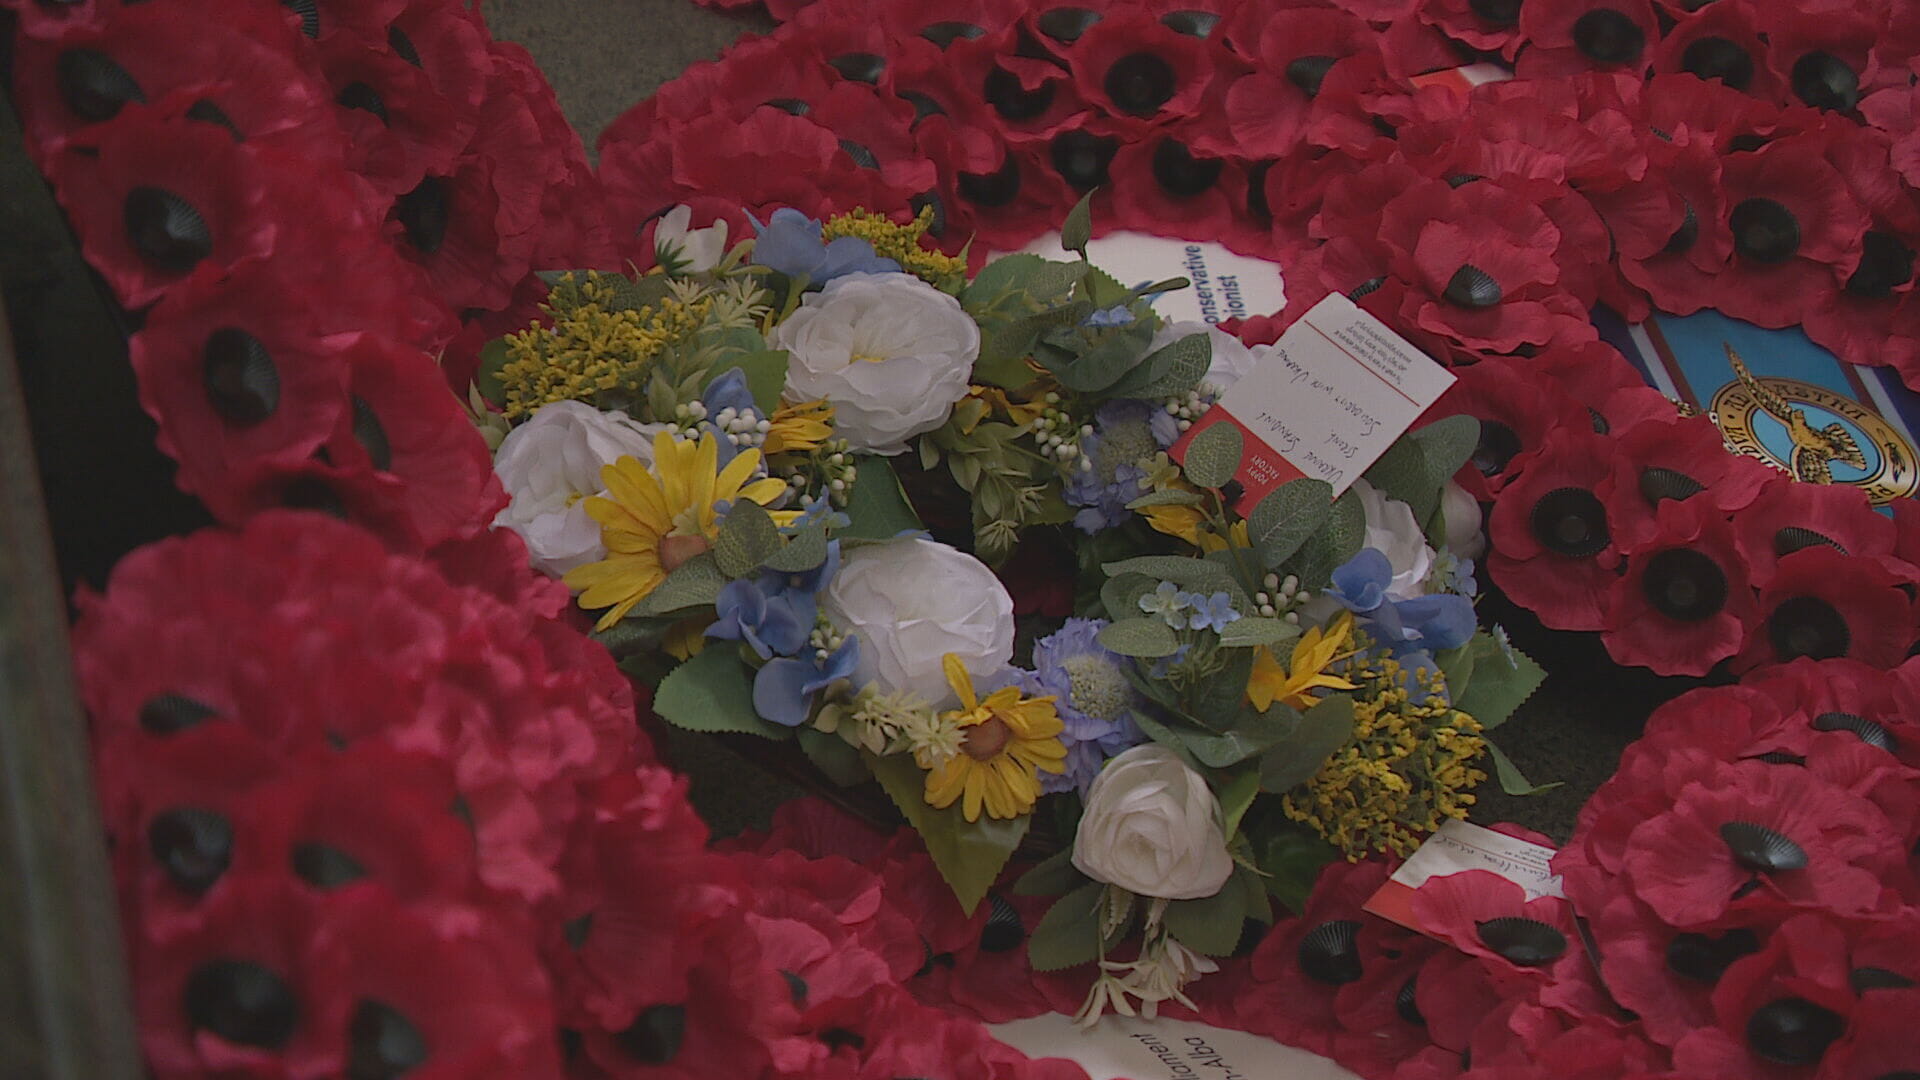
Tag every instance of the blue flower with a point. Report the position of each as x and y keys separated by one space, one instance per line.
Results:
x=1093 y=696
x=1168 y=602
x=1125 y=438
x=1117 y=315
x=729 y=391
x=783 y=689
x=1431 y=623
x=1210 y=612
x=790 y=243
x=1453 y=574
x=1360 y=584
x=817 y=509
x=768 y=618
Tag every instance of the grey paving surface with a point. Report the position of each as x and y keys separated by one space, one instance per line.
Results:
x=602 y=56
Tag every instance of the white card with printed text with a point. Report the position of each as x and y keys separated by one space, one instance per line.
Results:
x=1127 y=1048
x=1225 y=285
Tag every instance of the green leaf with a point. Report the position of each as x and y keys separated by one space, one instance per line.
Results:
x=878 y=509
x=1323 y=729
x=1249 y=632
x=1337 y=541
x=1068 y=935
x=1078 y=228
x=493 y=357
x=1121 y=595
x=713 y=692
x=806 y=550
x=1287 y=518
x=747 y=538
x=1150 y=638
x=1214 y=455
x=1194 y=575
x=1456 y=667
x=969 y=855
x=1498 y=687
x=1169 y=737
x=836 y=760
x=1403 y=473
x=1103 y=289
x=1096 y=366
x=1292 y=859
x=766 y=373
x=1169 y=497
x=1236 y=795
x=1044 y=280
x=1211 y=924
x=1447 y=443
x=1218 y=704
x=632 y=635
x=1172 y=369
x=1511 y=780
x=1054 y=875
x=696 y=583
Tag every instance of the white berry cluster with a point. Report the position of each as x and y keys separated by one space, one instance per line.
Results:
x=744 y=428
x=1281 y=597
x=825 y=639
x=1186 y=408
x=1058 y=433
x=832 y=464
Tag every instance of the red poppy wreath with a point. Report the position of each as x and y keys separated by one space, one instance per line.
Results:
x=380 y=807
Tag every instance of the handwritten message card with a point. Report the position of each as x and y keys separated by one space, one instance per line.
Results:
x=1459 y=846
x=1225 y=285
x=1336 y=391
x=1127 y=1048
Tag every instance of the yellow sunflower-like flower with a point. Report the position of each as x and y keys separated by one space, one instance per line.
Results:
x=658 y=519
x=1311 y=654
x=1006 y=740
x=1185 y=522
x=801 y=427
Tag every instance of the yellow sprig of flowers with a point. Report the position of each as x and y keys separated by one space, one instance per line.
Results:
x=1007 y=740
x=901 y=243
x=594 y=346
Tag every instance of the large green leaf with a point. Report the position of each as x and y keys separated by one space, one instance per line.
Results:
x=1338 y=540
x=493 y=357
x=834 y=757
x=1448 y=443
x=1194 y=575
x=1248 y=632
x=1511 y=780
x=1078 y=228
x=695 y=583
x=1068 y=935
x=1287 y=517
x=1096 y=364
x=1143 y=637
x=713 y=692
x=1499 y=686
x=806 y=550
x=1052 y=876
x=747 y=538
x=1323 y=729
x=1292 y=858
x=1214 y=455
x=1121 y=594
x=1174 y=368
x=1236 y=794
x=878 y=509
x=1210 y=924
x=968 y=854
x=1042 y=279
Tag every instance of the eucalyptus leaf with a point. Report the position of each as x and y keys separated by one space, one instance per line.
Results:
x=1214 y=455
x=1255 y=630
x=1121 y=594
x=1052 y=876
x=806 y=550
x=766 y=374
x=1403 y=473
x=1287 y=518
x=877 y=509
x=1162 y=733
x=713 y=691
x=1104 y=360
x=1169 y=497
x=1340 y=539
x=695 y=583
x=1194 y=575
x=1068 y=935
x=1218 y=703
x=1172 y=369
x=1078 y=228
x=1322 y=730
x=1511 y=780
x=1150 y=638
x=1447 y=443
x=747 y=538
x=968 y=854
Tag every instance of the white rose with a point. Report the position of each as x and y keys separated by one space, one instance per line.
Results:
x=698 y=250
x=549 y=465
x=911 y=602
x=1231 y=357
x=1152 y=827
x=891 y=352
x=1462 y=512
x=1391 y=529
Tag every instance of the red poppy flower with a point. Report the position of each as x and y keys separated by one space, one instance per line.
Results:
x=1268 y=109
x=1136 y=66
x=1760 y=838
x=1787 y=517
x=1378 y=1016
x=42 y=21
x=436 y=991
x=1670 y=230
x=238 y=65
x=1793 y=219
x=1530 y=947
x=1725 y=43
x=1553 y=551
x=1777 y=1009
x=1676 y=459
x=988 y=976
x=1666 y=976
x=1565 y=39
x=1491 y=26
x=1300 y=967
x=1684 y=603
x=875 y=132
x=1893 y=112
x=1824 y=604
x=1825 y=58
x=155 y=201
x=1879 y=1036
x=1517 y=410
x=1019 y=198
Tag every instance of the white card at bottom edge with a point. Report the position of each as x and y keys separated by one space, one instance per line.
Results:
x=1123 y=1048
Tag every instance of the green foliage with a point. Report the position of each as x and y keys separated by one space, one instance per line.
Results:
x=969 y=855
x=493 y=357
x=1419 y=463
x=1211 y=924
x=1172 y=369
x=1287 y=518
x=1496 y=686
x=1193 y=575
x=747 y=538
x=1169 y=497
x=1244 y=738
x=1093 y=359
x=1214 y=455
x=1078 y=228
x=695 y=583
x=1150 y=638
x=1068 y=935
x=877 y=509
x=806 y=550
x=1322 y=729
x=1336 y=541
x=1255 y=630
x=1291 y=859
x=1015 y=298
x=633 y=634
x=766 y=373
x=1236 y=794
x=1511 y=780
x=1121 y=595
x=713 y=692
x=1054 y=875
x=834 y=757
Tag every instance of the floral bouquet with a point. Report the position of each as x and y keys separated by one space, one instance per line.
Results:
x=943 y=533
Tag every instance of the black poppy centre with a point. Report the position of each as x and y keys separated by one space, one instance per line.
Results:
x=1684 y=585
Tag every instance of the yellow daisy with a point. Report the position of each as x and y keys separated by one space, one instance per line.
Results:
x=799 y=427
x=1006 y=737
x=658 y=519
x=1311 y=654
